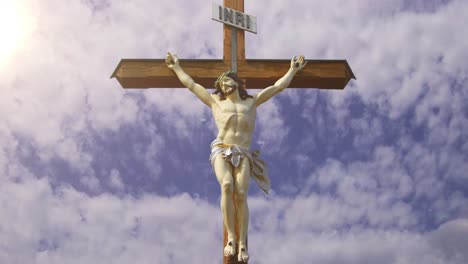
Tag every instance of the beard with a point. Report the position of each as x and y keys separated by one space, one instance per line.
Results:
x=229 y=90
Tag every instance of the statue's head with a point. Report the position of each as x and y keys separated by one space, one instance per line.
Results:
x=228 y=83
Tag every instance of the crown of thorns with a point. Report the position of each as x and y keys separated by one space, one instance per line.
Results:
x=217 y=84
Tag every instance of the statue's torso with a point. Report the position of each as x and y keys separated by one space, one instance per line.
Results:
x=235 y=121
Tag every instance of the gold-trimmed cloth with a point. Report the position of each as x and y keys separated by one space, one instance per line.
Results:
x=233 y=154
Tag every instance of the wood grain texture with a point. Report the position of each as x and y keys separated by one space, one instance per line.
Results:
x=236 y=5
x=153 y=73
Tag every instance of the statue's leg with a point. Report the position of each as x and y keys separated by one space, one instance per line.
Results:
x=242 y=186
x=223 y=171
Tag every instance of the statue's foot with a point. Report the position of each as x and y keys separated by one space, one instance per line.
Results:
x=230 y=248
x=243 y=255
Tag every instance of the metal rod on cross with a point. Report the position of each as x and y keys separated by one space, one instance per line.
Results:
x=234 y=49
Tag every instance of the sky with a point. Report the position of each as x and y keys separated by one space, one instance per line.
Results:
x=93 y=173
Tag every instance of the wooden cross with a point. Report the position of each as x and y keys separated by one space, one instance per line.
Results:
x=154 y=73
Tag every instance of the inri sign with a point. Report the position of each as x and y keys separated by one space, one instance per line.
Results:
x=234 y=18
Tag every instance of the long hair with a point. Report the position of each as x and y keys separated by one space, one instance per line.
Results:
x=240 y=85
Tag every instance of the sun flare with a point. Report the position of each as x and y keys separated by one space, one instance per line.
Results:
x=12 y=28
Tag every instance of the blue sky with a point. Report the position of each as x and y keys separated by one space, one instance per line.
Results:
x=93 y=173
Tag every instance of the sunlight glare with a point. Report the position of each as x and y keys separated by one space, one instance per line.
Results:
x=11 y=28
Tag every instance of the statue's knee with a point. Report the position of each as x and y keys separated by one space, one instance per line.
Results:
x=227 y=187
x=241 y=196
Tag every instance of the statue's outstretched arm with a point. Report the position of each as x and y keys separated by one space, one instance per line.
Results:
x=267 y=93
x=173 y=63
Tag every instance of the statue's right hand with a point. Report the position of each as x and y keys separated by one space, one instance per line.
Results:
x=171 y=60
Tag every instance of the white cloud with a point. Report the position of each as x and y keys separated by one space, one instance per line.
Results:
x=271 y=127
x=56 y=96
x=452 y=240
x=401 y=58
x=44 y=225
x=41 y=224
x=413 y=58
x=302 y=230
x=115 y=180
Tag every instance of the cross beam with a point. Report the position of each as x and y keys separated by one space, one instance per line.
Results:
x=153 y=73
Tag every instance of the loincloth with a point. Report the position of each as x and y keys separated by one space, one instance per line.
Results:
x=234 y=153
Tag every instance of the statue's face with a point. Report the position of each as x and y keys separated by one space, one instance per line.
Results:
x=229 y=86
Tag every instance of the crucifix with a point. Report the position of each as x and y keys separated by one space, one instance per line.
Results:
x=234 y=110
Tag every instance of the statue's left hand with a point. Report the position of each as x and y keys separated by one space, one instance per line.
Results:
x=172 y=60
x=298 y=63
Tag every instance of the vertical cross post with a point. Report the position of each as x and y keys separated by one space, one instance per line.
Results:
x=234 y=51
x=234 y=40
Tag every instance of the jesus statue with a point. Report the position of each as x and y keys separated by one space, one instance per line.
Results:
x=234 y=112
